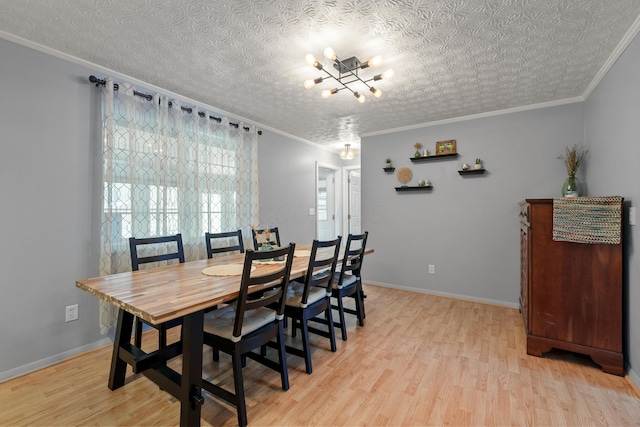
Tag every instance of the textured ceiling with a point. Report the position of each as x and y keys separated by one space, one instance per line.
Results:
x=451 y=58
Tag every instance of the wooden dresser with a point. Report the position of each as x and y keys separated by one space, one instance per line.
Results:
x=571 y=293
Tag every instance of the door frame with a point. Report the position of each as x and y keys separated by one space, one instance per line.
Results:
x=345 y=196
x=337 y=196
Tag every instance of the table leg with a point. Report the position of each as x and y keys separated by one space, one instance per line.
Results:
x=191 y=385
x=123 y=336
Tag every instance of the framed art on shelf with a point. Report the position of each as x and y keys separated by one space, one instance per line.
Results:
x=446 y=147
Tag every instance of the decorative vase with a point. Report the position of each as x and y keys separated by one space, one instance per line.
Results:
x=417 y=154
x=477 y=166
x=572 y=187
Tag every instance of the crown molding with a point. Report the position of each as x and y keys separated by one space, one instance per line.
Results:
x=617 y=52
x=478 y=116
x=141 y=84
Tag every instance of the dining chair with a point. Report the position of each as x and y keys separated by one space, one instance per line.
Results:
x=348 y=281
x=247 y=324
x=225 y=237
x=311 y=297
x=162 y=251
x=265 y=235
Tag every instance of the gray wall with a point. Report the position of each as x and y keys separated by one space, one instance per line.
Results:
x=285 y=202
x=46 y=178
x=468 y=227
x=612 y=128
x=49 y=220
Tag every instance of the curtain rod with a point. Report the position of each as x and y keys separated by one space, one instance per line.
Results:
x=98 y=82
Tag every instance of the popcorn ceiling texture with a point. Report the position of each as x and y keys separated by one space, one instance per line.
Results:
x=451 y=58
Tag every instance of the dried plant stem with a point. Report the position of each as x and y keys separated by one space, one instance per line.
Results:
x=574 y=157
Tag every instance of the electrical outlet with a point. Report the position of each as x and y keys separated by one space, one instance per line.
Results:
x=71 y=313
x=432 y=269
x=632 y=216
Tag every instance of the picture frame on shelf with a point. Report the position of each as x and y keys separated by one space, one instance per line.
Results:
x=446 y=147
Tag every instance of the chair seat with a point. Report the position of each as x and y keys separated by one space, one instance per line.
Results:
x=294 y=295
x=220 y=322
x=347 y=280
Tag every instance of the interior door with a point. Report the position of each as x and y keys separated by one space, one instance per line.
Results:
x=326 y=204
x=354 y=215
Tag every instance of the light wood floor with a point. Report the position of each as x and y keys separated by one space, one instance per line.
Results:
x=420 y=360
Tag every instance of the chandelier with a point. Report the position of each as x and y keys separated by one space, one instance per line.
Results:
x=347 y=153
x=347 y=74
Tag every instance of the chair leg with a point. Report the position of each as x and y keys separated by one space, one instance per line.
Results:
x=332 y=331
x=343 y=323
x=216 y=354
x=294 y=323
x=282 y=358
x=306 y=346
x=359 y=307
x=137 y=340
x=241 y=406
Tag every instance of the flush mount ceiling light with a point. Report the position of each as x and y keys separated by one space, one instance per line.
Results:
x=347 y=74
x=347 y=153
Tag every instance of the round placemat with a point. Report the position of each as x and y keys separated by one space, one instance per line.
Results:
x=225 y=270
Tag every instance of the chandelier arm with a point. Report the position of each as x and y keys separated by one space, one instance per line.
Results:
x=349 y=72
x=330 y=76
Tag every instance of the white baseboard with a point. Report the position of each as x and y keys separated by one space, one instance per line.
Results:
x=444 y=294
x=633 y=377
x=49 y=361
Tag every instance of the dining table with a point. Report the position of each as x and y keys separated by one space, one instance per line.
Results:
x=160 y=294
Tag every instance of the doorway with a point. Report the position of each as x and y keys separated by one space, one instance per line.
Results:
x=328 y=206
x=352 y=192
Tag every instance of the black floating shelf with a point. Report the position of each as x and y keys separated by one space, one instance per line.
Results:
x=391 y=169
x=425 y=188
x=472 y=172
x=434 y=157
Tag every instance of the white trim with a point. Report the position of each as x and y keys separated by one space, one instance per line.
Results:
x=120 y=76
x=617 y=52
x=50 y=361
x=478 y=116
x=443 y=294
x=622 y=45
x=337 y=209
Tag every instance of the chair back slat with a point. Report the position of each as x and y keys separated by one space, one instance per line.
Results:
x=136 y=260
x=257 y=242
x=275 y=282
x=208 y=237
x=353 y=257
x=323 y=262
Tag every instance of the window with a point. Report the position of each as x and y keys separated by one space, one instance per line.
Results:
x=168 y=171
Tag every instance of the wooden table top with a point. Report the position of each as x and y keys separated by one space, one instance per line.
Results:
x=165 y=293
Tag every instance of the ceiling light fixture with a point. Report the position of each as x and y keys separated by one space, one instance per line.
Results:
x=347 y=153
x=347 y=74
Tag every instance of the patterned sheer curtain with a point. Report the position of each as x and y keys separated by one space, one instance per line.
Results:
x=168 y=171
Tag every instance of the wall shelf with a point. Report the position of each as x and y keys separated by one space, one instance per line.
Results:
x=407 y=188
x=388 y=170
x=433 y=157
x=472 y=172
